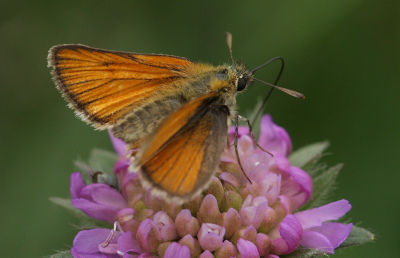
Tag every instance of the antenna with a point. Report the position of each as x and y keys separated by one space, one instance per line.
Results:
x=229 y=42
x=267 y=63
x=290 y=92
x=287 y=91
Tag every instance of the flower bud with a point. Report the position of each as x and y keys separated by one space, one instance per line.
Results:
x=186 y=224
x=209 y=211
x=211 y=236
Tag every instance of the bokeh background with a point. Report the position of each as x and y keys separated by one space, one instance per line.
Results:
x=343 y=55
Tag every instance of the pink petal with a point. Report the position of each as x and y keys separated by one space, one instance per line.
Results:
x=245 y=144
x=77 y=184
x=230 y=178
x=121 y=167
x=127 y=243
x=247 y=249
x=315 y=217
x=274 y=138
x=231 y=222
x=209 y=210
x=282 y=162
x=227 y=249
x=285 y=203
x=263 y=242
x=304 y=180
x=143 y=233
x=165 y=226
x=186 y=223
x=291 y=232
x=88 y=190
x=119 y=145
x=211 y=236
x=110 y=249
x=337 y=233
x=175 y=250
x=95 y=210
x=206 y=254
x=247 y=215
x=109 y=196
x=261 y=213
x=316 y=240
x=87 y=241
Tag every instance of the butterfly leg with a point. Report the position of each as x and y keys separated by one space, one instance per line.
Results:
x=251 y=132
x=235 y=144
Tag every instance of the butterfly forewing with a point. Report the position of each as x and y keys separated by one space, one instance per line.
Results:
x=103 y=86
x=183 y=154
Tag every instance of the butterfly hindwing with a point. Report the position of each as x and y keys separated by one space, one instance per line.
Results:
x=183 y=154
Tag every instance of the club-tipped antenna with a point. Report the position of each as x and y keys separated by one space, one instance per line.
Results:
x=290 y=92
x=287 y=91
x=229 y=43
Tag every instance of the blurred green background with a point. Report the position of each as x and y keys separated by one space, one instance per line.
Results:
x=343 y=55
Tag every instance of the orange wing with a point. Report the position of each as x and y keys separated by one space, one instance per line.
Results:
x=103 y=86
x=182 y=155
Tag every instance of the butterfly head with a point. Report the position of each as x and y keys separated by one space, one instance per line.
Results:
x=234 y=78
x=243 y=78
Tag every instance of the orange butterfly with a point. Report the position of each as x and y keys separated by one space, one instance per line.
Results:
x=175 y=110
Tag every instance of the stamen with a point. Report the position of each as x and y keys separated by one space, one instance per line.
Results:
x=111 y=235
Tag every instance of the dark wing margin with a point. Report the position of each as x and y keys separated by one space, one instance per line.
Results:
x=181 y=157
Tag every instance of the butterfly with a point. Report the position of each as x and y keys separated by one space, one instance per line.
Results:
x=175 y=111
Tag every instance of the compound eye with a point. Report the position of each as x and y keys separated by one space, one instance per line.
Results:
x=241 y=84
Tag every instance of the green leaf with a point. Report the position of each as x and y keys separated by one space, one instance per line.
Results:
x=65 y=203
x=62 y=254
x=100 y=167
x=305 y=253
x=323 y=186
x=309 y=155
x=358 y=236
x=99 y=160
x=103 y=160
x=317 y=169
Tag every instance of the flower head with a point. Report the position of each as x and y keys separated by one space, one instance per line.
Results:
x=254 y=215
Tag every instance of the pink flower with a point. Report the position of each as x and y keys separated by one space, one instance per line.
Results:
x=211 y=236
x=164 y=227
x=100 y=201
x=321 y=234
x=259 y=218
x=89 y=244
